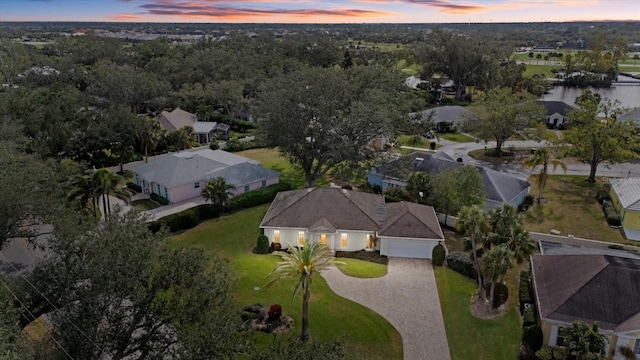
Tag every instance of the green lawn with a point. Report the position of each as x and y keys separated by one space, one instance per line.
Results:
x=365 y=334
x=361 y=269
x=458 y=137
x=571 y=209
x=534 y=69
x=468 y=336
x=271 y=158
x=144 y=205
x=408 y=140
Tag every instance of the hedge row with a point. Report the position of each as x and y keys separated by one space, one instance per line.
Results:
x=136 y=188
x=159 y=199
x=525 y=295
x=602 y=195
x=461 y=263
x=612 y=216
x=191 y=217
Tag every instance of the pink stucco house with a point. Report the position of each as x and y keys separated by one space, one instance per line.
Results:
x=181 y=176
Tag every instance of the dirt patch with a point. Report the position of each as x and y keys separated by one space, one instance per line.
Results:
x=480 y=309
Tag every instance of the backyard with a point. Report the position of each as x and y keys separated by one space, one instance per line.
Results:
x=365 y=334
x=271 y=158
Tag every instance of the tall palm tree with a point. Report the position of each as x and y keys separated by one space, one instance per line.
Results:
x=218 y=192
x=302 y=264
x=150 y=136
x=473 y=222
x=494 y=264
x=110 y=183
x=507 y=229
x=83 y=189
x=542 y=157
x=584 y=340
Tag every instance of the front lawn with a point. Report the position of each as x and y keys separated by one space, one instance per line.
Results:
x=468 y=336
x=571 y=209
x=365 y=334
x=361 y=269
x=144 y=204
x=414 y=141
x=457 y=137
x=271 y=158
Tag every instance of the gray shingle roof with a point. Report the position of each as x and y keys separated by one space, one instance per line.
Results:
x=589 y=288
x=628 y=191
x=203 y=127
x=334 y=208
x=552 y=107
x=190 y=166
x=176 y=119
x=453 y=113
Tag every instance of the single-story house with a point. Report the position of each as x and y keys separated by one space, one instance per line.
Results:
x=625 y=196
x=589 y=288
x=444 y=118
x=500 y=187
x=556 y=113
x=181 y=176
x=203 y=131
x=348 y=220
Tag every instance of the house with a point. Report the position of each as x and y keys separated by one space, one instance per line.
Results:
x=589 y=288
x=181 y=176
x=500 y=188
x=633 y=115
x=350 y=221
x=625 y=196
x=444 y=118
x=556 y=113
x=203 y=131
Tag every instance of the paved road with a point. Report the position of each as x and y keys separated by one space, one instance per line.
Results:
x=408 y=298
x=20 y=257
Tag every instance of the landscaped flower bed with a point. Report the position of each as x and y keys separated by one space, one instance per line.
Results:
x=371 y=256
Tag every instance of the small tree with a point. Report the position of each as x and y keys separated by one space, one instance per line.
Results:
x=218 y=192
x=494 y=265
x=473 y=222
x=584 y=340
x=542 y=157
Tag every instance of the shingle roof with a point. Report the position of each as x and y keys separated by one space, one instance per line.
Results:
x=497 y=185
x=589 y=288
x=176 y=119
x=334 y=208
x=191 y=166
x=552 y=107
x=628 y=191
x=453 y=113
x=203 y=126
x=633 y=115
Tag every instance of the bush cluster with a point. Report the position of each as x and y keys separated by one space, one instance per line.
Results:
x=214 y=145
x=275 y=311
x=602 y=195
x=528 y=316
x=438 y=255
x=262 y=245
x=552 y=353
x=500 y=294
x=159 y=199
x=242 y=125
x=371 y=256
x=235 y=145
x=461 y=263
x=612 y=216
x=257 y=197
x=532 y=336
x=134 y=187
x=524 y=292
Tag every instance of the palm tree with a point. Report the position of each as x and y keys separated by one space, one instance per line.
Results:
x=494 y=264
x=302 y=264
x=83 y=189
x=507 y=228
x=473 y=222
x=150 y=135
x=110 y=183
x=218 y=192
x=542 y=157
x=583 y=340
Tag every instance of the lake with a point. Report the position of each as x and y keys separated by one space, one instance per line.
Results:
x=627 y=94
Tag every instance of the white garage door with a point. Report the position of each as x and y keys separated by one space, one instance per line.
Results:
x=410 y=249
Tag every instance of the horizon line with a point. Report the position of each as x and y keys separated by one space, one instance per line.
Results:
x=311 y=23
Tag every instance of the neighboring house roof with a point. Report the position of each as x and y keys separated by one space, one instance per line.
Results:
x=329 y=209
x=413 y=82
x=185 y=167
x=176 y=119
x=588 y=288
x=454 y=113
x=203 y=127
x=628 y=192
x=553 y=107
x=553 y=248
x=633 y=115
x=498 y=186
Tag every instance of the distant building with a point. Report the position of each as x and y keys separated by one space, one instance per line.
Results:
x=204 y=131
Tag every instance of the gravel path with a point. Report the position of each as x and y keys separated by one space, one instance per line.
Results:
x=408 y=298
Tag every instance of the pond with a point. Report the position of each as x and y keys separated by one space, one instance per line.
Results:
x=628 y=94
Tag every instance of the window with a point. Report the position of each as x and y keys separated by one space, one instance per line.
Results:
x=343 y=240
x=323 y=239
x=196 y=185
x=276 y=236
x=636 y=347
x=158 y=189
x=562 y=337
x=300 y=238
x=368 y=241
x=246 y=188
x=264 y=183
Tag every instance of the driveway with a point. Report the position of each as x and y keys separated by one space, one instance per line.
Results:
x=408 y=298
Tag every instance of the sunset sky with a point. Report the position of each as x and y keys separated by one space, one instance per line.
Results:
x=317 y=11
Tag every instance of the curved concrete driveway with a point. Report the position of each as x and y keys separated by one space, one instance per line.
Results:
x=408 y=298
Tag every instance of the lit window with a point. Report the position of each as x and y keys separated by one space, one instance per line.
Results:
x=323 y=239
x=300 y=238
x=368 y=241
x=343 y=240
x=276 y=236
x=196 y=185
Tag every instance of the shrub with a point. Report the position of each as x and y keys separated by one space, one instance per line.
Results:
x=461 y=263
x=616 y=247
x=532 y=336
x=438 y=255
x=371 y=256
x=134 y=187
x=207 y=211
x=275 y=311
x=526 y=353
x=432 y=145
x=234 y=145
x=347 y=187
x=275 y=247
x=244 y=125
x=214 y=145
x=159 y=199
x=613 y=219
x=257 y=197
x=529 y=318
x=602 y=195
x=396 y=194
x=552 y=353
x=500 y=294
x=524 y=290
x=262 y=245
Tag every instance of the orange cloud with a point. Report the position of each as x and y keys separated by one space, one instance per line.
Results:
x=125 y=17
x=446 y=6
x=451 y=7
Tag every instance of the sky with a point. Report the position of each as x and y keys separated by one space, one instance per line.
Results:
x=319 y=11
